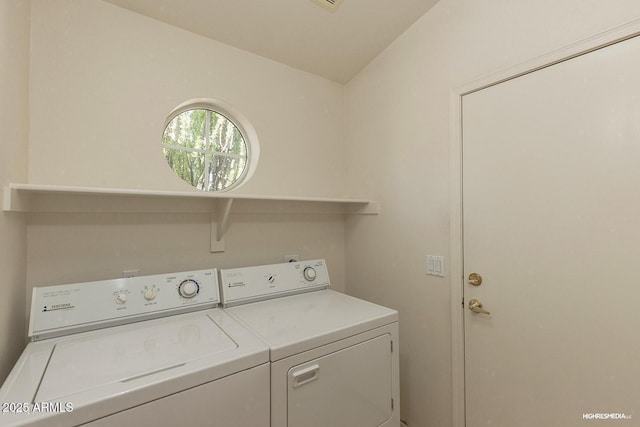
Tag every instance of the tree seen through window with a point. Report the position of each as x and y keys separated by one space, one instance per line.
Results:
x=205 y=149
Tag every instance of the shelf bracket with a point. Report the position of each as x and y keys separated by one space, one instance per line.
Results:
x=219 y=223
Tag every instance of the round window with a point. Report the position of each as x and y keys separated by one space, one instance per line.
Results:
x=206 y=148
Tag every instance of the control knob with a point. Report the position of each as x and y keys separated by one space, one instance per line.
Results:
x=188 y=288
x=150 y=294
x=121 y=297
x=309 y=274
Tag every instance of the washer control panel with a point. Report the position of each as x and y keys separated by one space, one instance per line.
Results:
x=63 y=309
x=250 y=284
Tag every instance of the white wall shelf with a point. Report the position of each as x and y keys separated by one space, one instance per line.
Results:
x=53 y=198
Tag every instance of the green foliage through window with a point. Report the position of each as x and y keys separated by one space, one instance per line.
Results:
x=205 y=149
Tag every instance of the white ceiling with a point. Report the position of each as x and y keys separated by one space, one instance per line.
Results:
x=300 y=33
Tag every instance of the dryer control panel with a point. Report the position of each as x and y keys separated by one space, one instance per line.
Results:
x=64 y=309
x=250 y=284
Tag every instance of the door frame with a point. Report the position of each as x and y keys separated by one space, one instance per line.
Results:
x=590 y=44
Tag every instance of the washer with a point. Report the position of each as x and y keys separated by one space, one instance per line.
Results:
x=334 y=358
x=150 y=350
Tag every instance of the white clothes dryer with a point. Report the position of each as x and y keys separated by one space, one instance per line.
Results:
x=334 y=358
x=150 y=350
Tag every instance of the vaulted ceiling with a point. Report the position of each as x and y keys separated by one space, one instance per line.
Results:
x=332 y=44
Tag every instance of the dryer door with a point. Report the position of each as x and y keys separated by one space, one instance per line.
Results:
x=346 y=388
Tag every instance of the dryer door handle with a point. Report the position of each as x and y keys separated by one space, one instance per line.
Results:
x=306 y=375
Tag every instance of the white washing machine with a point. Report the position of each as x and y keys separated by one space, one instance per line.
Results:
x=334 y=358
x=149 y=350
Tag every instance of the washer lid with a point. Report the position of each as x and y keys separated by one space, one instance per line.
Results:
x=123 y=354
x=298 y=323
x=107 y=371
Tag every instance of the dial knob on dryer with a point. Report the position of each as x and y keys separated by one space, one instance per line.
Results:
x=309 y=274
x=188 y=288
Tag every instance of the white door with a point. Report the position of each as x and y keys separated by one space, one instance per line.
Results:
x=551 y=222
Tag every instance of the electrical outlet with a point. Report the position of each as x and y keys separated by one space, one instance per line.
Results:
x=292 y=258
x=130 y=273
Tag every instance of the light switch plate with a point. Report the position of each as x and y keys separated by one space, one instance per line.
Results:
x=435 y=265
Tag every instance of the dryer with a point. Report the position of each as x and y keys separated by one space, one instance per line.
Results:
x=151 y=350
x=334 y=358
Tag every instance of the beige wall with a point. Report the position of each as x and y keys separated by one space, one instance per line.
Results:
x=103 y=80
x=400 y=104
x=14 y=63
x=77 y=247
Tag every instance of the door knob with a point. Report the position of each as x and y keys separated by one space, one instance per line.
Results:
x=476 y=307
x=475 y=279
